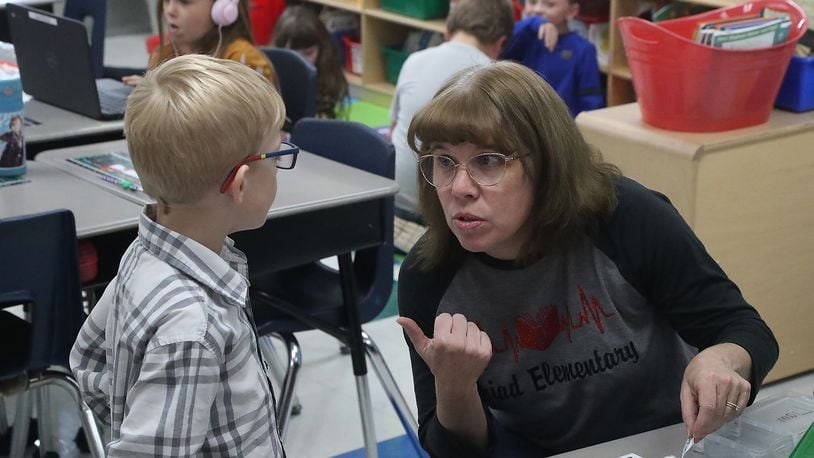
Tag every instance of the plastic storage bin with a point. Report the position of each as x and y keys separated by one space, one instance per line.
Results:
x=742 y=440
x=354 y=55
x=682 y=85
x=394 y=58
x=770 y=428
x=797 y=91
x=421 y=9
x=782 y=415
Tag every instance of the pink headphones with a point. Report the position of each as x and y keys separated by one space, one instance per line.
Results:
x=224 y=12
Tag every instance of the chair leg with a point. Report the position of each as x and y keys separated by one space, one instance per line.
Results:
x=3 y=418
x=354 y=329
x=93 y=436
x=278 y=369
x=392 y=391
x=286 y=398
x=45 y=424
x=22 y=417
x=366 y=412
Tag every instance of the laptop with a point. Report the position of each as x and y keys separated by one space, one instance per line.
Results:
x=54 y=59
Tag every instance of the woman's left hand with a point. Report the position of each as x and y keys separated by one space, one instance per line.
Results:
x=715 y=388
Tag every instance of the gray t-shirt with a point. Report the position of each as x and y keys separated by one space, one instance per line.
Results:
x=590 y=342
x=423 y=73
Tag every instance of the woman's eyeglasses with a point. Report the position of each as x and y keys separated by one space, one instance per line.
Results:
x=485 y=169
x=286 y=159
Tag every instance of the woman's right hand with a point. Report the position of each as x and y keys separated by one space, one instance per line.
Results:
x=458 y=351
x=132 y=80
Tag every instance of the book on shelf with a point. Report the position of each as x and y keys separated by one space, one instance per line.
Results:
x=746 y=32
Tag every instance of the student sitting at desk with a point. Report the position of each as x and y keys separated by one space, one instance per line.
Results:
x=219 y=28
x=168 y=357
x=554 y=304
x=566 y=60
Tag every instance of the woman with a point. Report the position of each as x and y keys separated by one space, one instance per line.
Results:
x=553 y=303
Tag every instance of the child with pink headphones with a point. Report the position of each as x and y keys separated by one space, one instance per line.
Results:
x=219 y=28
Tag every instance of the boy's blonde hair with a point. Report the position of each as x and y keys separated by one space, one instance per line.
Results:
x=191 y=119
x=507 y=106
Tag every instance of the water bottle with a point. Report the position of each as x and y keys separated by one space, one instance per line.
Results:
x=12 y=143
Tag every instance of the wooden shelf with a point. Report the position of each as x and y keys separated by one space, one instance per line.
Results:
x=347 y=5
x=382 y=88
x=378 y=29
x=623 y=72
x=434 y=25
x=353 y=78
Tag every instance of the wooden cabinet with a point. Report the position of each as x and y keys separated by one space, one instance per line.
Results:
x=379 y=28
x=620 y=84
x=749 y=196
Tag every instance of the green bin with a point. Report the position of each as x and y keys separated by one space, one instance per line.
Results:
x=394 y=58
x=421 y=9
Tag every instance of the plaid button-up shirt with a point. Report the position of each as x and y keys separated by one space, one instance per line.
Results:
x=168 y=357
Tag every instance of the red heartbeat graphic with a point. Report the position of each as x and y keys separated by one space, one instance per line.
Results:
x=539 y=333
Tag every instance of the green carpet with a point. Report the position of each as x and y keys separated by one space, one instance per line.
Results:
x=368 y=113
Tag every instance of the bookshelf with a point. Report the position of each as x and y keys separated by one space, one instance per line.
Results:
x=379 y=28
x=620 y=80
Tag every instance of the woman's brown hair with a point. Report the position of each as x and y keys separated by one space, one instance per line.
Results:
x=510 y=107
x=299 y=28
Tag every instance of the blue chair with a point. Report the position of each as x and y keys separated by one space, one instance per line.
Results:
x=96 y=10
x=313 y=296
x=298 y=83
x=40 y=270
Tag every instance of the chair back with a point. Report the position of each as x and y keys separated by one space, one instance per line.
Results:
x=97 y=11
x=359 y=146
x=298 y=82
x=40 y=267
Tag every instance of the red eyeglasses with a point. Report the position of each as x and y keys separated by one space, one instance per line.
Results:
x=286 y=159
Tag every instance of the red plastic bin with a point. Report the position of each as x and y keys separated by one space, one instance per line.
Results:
x=686 y=86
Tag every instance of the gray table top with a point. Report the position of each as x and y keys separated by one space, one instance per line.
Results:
x=50 y=123
x=315 y=183
x=95 y=210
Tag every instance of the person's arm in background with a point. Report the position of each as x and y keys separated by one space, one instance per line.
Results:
x=589 y=84
x=452 y=420
x=667 y=263
x=526 y=32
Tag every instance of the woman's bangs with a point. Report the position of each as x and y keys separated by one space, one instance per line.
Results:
x=458 y=117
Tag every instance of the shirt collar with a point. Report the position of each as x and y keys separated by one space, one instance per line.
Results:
x=224 y=273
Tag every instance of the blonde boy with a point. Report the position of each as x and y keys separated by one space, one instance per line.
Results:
x=168 y=357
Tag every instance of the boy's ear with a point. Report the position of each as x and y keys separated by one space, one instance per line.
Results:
x=235 y=189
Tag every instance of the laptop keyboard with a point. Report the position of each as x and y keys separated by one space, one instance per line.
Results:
x=112 y=96
x=112 y=103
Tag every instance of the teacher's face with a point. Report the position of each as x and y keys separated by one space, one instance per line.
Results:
x=488 y=219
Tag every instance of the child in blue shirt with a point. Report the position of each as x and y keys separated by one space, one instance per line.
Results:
x=564 y=59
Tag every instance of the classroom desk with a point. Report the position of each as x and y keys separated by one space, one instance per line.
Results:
x=322 y=208
x=96 y=211
x=749 y=196
x=669 y=440
x=49 y=127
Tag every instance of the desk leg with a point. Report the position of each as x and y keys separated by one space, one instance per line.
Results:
x=357 y=353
